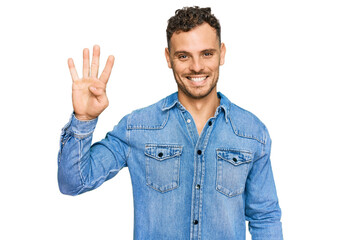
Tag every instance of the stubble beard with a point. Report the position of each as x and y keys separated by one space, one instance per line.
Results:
x=181 y=86
x=188 y=93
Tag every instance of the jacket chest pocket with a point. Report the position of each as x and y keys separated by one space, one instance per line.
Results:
x=232 y=171
x=163 y=166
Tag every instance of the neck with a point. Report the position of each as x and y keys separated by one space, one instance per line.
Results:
x=201 y=109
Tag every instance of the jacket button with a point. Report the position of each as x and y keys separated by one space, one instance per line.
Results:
x=210 y=123
x=199 y=152
x=196 y=222
x=198 y=186
x=235 y=160
x=160 y=154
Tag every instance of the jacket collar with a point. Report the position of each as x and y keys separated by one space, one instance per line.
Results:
x=172 y=100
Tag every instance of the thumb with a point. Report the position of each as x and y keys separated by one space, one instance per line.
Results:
x=96 y=91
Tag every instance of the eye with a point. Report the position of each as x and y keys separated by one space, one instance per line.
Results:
x=208 y=54
x=182 y=56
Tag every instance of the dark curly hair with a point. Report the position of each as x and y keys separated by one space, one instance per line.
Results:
x=188 y=18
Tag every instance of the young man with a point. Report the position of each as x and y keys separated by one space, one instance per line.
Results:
x=199 y=164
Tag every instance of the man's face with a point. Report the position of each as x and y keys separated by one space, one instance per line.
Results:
x=195 y=57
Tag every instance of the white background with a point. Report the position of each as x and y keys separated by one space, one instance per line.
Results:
x=295 y=64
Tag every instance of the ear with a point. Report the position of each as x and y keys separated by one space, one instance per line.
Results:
x=167 y=55
x=222 y=54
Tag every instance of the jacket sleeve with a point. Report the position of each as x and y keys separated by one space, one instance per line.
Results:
x=83 y=167
x=261 y=204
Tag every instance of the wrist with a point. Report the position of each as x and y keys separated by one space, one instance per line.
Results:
x=83 y=117
x=81 y=128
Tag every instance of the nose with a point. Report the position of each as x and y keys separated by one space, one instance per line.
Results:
x=196 y=65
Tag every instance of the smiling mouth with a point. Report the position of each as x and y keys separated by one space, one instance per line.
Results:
x=197 y=79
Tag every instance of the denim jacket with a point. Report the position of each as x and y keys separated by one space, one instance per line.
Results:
x=185 y=185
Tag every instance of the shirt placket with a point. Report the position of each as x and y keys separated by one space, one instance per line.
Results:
x=199 y=170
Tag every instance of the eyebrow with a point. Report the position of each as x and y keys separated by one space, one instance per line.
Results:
x=179 y=52
x=209 y=50
x=205 y=50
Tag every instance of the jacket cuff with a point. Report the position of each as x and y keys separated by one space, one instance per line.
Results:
x=81 y=128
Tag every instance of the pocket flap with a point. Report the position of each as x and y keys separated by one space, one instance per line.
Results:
x=235 y=157
x=163 y=152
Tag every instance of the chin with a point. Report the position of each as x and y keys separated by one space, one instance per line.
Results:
x=199 y=95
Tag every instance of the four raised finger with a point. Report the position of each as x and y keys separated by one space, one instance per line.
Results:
x=107 y=69
x=85 y=63
x=73 y=71
x=93 y=72
x=95 y=61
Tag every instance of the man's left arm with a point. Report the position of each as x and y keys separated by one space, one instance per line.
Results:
x=261 y=202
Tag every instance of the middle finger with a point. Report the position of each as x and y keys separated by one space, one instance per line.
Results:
x=95 y=61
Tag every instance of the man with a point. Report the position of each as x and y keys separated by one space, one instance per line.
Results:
x=200 y=165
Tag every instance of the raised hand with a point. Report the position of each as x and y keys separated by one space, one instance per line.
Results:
x=89 y=93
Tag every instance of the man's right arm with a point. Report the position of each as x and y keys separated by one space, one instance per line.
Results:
x=83 y=167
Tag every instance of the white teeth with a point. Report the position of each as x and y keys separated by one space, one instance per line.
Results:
x=199 y=79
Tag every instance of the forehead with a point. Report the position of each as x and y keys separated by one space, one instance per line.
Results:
x=197 y=39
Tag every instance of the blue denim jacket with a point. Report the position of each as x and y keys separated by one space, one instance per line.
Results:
x=185 y=186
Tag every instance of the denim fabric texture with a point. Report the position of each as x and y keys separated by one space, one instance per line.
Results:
x=185 y=186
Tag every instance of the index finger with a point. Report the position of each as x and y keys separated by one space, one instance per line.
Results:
x=107 y=69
